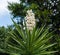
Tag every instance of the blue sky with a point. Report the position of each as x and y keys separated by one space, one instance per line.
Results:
x=5 y=17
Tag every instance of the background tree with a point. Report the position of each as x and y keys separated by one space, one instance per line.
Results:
x=46 y=11
x=3 y=35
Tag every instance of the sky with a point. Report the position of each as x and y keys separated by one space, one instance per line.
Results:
x=5 y=17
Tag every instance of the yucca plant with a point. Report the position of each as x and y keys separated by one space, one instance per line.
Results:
x=30 y=43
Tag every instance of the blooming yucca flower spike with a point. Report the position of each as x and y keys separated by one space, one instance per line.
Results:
x=30 y=20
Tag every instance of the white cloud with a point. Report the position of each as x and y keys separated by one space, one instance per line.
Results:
x=3 y=6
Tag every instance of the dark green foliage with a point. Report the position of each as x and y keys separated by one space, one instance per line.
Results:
x=4 y=54
x=2 y=37
x=17 y=9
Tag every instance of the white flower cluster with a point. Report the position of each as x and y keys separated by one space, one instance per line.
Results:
x=30 y=20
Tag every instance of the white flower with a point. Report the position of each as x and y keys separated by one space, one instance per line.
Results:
x=30 y=20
